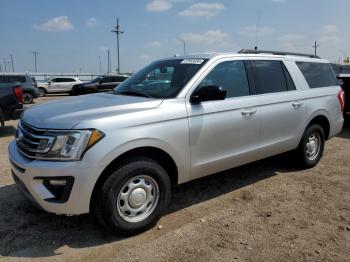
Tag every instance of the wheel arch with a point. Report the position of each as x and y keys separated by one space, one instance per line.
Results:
x=323 y=121
x=157 y=154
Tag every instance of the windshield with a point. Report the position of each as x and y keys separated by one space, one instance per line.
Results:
x=161 y=79
x=97 y=79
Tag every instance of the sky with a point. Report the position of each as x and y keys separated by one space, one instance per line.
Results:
x=73 y=35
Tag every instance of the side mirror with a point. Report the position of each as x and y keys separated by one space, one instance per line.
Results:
x=49 y=82
x=208 y=93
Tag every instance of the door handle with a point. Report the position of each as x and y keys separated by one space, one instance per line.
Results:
x=297 y=104
x=248 y=112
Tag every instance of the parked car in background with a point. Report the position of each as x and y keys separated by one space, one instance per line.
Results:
x=58 y=85
x=28 y=84
x=120 y=154
x=343 y=74
x=11 y=102
x=101 y=83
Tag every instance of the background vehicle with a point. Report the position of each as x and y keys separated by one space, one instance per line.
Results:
x=343 y=74
x=101 y=83
x=58 y=85
x=11 y=102
x=120 y=154
x=28 y=84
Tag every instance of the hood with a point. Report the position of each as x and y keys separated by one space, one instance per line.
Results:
x=67 y=113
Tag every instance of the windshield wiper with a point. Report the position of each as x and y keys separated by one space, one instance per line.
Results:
x=134 y=93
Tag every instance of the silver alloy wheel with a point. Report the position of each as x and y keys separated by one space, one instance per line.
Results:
x=41 y=92
x=313 y=146
x=138 y=198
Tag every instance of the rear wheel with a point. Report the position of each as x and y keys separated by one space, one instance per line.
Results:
x=311 y=147
x=133 y=197
x=28 y=98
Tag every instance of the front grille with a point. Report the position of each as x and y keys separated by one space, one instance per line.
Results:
x=32 y=141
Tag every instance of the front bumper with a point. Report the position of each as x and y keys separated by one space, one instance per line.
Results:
x=30 y=175
x=16 y=114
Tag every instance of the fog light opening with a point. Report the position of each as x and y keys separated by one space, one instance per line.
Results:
x=54 y=182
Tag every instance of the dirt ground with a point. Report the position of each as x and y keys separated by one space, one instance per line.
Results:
x=266 y=211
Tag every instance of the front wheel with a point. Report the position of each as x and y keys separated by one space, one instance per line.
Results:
x=28 y=98
x=133 y=198
x=311 y=147
x=42 y=91
x=2 y=118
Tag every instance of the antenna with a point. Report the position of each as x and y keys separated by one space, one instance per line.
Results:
x=257 y=30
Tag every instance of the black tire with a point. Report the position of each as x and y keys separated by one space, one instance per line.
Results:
x=304 y=157
x=28 y=98
x=42 y=92
x=108 y=203
x=2 y=118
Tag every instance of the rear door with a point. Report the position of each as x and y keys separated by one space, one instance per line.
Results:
x=282 y=107
x=66 y=84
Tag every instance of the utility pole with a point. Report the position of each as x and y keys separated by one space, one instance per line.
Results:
x=108 y=61
x=99 y=59
x=183 y=43
x=9 y=65
x=35 y=54
x=118 y=32
x=0 y=68
x=5 y=64
x=316 y=46
x=13 y=69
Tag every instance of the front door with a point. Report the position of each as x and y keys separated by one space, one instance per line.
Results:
x=224 y=134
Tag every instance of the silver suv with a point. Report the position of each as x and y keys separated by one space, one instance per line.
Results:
x=119 y=155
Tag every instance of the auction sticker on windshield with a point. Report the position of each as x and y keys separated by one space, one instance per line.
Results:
x=192 y=61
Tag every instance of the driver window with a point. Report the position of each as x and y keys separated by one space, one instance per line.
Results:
x=231 y=76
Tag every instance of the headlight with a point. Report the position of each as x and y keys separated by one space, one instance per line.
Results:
x=71 y=145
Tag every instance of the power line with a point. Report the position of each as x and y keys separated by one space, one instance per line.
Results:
x=35 y=54
x=118 y=32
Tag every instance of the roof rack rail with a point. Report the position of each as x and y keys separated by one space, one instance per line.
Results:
x=250 y=51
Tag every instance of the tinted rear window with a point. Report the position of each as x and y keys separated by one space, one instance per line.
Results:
x=268 y=76
x=317 y=74
x=12 y=79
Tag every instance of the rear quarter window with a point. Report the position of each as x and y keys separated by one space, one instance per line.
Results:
x=317 y=74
